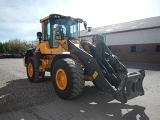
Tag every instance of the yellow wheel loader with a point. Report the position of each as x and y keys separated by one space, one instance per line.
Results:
x=72 y=61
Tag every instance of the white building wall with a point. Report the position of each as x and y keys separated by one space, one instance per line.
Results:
x=132 y=37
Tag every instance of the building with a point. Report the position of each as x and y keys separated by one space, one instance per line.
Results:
x=134 y=41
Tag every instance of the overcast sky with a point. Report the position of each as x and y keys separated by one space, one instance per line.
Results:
x=20 y=18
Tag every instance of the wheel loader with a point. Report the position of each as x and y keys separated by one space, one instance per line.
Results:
x=72 y=61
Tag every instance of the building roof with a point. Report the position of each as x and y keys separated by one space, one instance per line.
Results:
x=146 y=23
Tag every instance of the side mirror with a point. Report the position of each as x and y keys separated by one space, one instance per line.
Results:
x=85 y=24
x=39 y=36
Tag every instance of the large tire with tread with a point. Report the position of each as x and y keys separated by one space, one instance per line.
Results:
x=33 y=73
x=68 y=78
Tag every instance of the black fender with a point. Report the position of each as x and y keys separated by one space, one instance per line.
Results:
x=29 y=53
x=59 y=56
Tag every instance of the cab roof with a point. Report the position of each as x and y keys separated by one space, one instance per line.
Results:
x=51 y=15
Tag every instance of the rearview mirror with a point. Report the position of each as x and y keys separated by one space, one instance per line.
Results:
x=39 y=36
x=85 y=24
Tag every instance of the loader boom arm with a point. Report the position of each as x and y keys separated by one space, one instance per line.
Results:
x=109 y=74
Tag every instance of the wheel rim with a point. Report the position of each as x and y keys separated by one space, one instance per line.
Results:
x=30 y=70
x=61 y=79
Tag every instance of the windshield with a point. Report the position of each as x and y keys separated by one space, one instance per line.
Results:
x=68 y=28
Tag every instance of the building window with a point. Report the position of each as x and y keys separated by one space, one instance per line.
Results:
x=133 y=48
x=157 y=48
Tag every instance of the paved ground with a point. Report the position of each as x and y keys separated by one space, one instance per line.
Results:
x=22 y=100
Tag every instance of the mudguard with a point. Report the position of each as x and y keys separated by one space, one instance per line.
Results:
x=29 y=53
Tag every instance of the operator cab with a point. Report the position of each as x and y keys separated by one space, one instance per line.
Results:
x=59 y=27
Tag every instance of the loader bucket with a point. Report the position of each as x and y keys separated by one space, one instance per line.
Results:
x=130 y=86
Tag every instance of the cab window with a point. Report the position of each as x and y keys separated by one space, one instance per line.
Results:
x=47 y=30
x=48 y=34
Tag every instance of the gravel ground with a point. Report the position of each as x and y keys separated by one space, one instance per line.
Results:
x=16 y=92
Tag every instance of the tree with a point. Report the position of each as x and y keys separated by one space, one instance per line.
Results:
x=6 y=46
x=2 y=49
x=16 y=46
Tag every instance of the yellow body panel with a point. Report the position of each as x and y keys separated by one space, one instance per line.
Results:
x=45 y=48
x=46 y=62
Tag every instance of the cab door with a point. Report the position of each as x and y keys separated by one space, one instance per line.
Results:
x=49 y=46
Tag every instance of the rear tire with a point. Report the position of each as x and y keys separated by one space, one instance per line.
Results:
x=33 y=73
x=68 y=78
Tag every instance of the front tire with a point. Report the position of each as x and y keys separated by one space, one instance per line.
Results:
x=33 y=73
x=68 y=78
